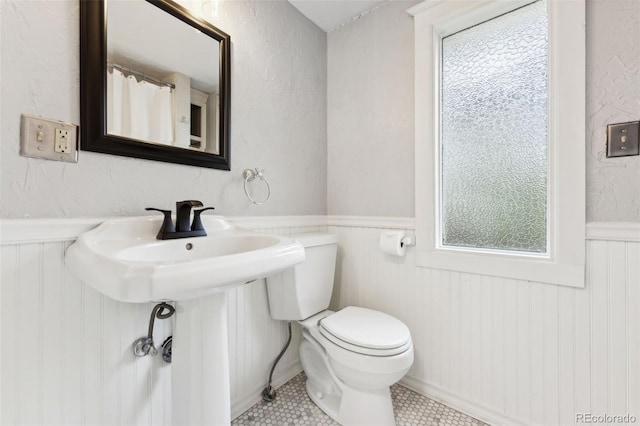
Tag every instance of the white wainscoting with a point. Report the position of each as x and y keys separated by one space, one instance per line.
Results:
x=66 y=349
x=506 y=351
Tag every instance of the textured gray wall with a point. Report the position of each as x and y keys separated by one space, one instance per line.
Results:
x=613 y=96
x=278 y=119
x=279 y=89
x=370 y=112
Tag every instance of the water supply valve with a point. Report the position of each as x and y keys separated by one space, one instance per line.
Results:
x=144 y=346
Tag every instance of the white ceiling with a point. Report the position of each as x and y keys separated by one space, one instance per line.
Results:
x=328 y=14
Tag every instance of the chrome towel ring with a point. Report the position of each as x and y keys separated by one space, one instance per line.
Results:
x=249 y=176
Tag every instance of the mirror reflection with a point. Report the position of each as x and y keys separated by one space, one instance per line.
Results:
x=163 y=82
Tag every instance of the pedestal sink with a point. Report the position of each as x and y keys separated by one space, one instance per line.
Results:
x=122 y=259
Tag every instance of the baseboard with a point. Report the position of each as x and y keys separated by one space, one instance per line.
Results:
x=252 y=398
x=464 y=406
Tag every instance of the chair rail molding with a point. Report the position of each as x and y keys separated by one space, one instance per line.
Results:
x=24 y=231
x=39 y=230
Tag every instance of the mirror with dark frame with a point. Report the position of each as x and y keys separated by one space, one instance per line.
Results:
x=154 y=83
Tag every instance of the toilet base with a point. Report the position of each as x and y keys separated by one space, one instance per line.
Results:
x=355 y=408
x=346 y=405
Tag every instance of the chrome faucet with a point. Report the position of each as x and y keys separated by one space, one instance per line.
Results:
x=182 y=228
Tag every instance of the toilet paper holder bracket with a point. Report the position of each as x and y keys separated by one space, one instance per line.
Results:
x=409 y=240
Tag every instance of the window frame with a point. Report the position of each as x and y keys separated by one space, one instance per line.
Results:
x=564 y=262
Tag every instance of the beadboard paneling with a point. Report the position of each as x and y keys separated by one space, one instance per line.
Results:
x=67 y=355
x=503 y=350
x=508 y=351
x=66 y=352
x=255 y=340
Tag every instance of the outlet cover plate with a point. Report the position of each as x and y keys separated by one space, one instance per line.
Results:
x=38 y=139
x=622 y=139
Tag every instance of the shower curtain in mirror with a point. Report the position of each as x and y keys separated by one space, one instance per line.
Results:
x=138 y=109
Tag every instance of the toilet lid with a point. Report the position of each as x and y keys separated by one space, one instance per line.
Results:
x=366 y=328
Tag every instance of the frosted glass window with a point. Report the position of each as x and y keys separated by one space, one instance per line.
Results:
x=493 y=144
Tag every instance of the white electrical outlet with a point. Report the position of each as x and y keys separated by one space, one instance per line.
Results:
x=48 y=139
x=61 y=141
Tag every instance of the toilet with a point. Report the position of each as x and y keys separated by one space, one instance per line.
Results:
x=351 y=357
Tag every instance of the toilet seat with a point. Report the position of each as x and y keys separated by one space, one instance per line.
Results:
x=365 y=331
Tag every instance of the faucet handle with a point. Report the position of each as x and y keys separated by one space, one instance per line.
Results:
x=167 y=224
x=197 y=221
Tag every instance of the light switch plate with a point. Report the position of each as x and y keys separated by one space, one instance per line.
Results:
x=622 y=139
x=48 y=139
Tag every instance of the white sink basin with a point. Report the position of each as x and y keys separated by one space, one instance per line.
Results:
x=122 y=259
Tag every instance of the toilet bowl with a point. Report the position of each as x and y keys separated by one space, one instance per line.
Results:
x=351 y=357
x=350 y=380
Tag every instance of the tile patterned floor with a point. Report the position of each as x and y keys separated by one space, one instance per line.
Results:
x=293 y=407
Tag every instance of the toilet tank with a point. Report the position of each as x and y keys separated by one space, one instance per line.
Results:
x=305 y=289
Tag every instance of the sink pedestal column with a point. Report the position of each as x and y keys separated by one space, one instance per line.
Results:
x=200 y=364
